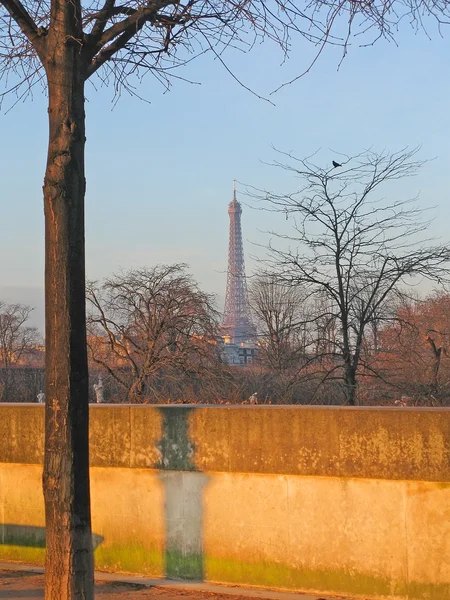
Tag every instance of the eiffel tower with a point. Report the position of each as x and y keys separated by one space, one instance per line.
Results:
x=236 y=322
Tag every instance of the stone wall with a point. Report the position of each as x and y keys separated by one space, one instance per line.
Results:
x=350 y=501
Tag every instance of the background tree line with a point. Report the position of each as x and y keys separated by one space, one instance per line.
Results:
x=334 y=304
x=406 y=360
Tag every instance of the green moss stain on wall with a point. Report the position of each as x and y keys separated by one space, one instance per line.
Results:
x=156 y=563
x=24 y=543
x=153 y=562
x=283 y=576
x=131 y=558
x=425 y=591
x=184 y=566
x=26 y=554
x=324 y=581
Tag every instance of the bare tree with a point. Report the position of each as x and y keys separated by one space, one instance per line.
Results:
x=279 y=313
x=352 y=247
x=414 y=347
x=16 y=337
x=324 y=326
x=152 y=320
x=63 y=44
x=16 y=340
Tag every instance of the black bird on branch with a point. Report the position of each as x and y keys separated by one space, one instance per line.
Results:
x=336 y=164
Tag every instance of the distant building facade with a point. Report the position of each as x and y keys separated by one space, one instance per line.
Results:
x=243 y=353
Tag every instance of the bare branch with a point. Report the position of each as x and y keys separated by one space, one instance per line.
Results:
x=154 y=319
x=354 y=249
x=26 y=23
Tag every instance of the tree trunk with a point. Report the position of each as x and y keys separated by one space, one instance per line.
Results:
x=137 y=390
x=69 y=558
x=350 y=385
x=437 y=353
x=436 y=367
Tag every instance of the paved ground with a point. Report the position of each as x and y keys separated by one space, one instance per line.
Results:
x=19 y=582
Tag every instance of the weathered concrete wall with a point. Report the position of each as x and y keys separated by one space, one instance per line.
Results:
x=352 y=501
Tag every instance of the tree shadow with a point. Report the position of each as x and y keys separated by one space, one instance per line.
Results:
x=22 y=594
x=30 y=536
x=183 y=514
x=183 y=486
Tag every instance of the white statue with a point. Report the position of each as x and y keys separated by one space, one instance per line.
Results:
x=41 y=397
x=253 y=398
x=98 y=389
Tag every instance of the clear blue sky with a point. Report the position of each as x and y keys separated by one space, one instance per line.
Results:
x=159 y=175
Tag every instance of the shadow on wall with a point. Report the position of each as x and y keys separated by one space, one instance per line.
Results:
x=183 y=489
x=179 y=523
x=30 y=536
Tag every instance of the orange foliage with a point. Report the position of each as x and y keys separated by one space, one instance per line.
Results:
x=413 y=349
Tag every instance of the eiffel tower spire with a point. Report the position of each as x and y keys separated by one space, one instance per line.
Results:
x=236 y=322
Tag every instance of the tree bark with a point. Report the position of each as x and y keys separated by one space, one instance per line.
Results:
x=350 y=385
x=69 y=558
x=437 y=354
x=137 y=389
